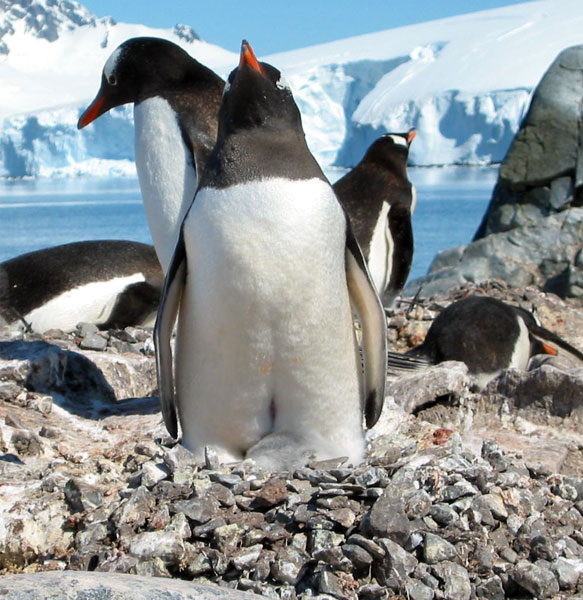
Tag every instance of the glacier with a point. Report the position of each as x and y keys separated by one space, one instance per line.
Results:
x=463 y=82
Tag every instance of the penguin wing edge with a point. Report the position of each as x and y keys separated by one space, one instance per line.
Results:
x=167 y=313
x=365 y=301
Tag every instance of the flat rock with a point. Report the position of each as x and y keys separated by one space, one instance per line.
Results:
x=72 y=585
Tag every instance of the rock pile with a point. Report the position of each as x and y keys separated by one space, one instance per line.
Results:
x=456 y=502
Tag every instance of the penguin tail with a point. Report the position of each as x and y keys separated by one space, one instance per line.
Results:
x=405 y=363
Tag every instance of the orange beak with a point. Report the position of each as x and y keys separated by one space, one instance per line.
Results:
x=411 y=136
x=248 y=58
x=549 y=349
x=93 y=111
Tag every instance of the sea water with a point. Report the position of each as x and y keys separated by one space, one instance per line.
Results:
x=39 y=213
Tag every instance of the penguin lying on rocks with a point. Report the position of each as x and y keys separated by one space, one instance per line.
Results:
x=486 y=334
x=113 y=284
x=265 y=276
x=380 y=199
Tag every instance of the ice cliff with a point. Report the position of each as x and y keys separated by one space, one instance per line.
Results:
x=463 y=82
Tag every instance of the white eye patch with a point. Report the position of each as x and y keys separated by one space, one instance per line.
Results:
x=399 y=140
x=282 y=83
x=111 y=64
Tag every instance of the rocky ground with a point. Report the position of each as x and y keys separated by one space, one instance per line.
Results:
x=464 y=494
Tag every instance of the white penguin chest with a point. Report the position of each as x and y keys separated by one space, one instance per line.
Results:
x=263 y=233
x=166 y=172
x=380 y=256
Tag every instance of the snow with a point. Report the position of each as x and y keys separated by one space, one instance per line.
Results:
x=464 y=83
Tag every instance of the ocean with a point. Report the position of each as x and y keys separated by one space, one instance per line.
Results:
x=38 y=213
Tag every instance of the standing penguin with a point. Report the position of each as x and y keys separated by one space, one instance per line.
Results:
x=380 y=199
x=176 y=103
x=264 y=274
x=111 y=283
x=486 y=334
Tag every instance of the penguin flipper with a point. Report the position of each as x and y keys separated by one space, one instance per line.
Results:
x=365 y=301
x=167 y=313
x=400 y=225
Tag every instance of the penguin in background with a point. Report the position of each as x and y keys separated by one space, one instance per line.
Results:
x=176 y=103
x=486 y=334
x=380 y=199
x=113 y=284
x=264 y=280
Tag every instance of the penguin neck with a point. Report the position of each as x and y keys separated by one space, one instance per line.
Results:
x=166 y=171
x=255 y=154
x=197 y=112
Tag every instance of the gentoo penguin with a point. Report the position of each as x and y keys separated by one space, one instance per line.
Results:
x=380 y=199
x=110 y=283
x=264 y=275
x=176 y=103
x=486 y=334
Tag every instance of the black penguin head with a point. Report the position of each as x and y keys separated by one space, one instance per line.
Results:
x=141 y=68
x=256 y=95
x=391 y=147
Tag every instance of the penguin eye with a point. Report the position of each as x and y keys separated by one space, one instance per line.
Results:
x=112 y=80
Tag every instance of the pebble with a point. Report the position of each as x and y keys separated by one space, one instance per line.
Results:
x=419 y=520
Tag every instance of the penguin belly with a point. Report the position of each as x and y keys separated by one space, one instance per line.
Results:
x=92 y=302
x=380 y=255
x=265 y=340
x=166 y=172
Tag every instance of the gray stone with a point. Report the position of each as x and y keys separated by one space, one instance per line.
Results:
x=436 y=549
x=387 y=518
x=109 y=586
x=357 y=555
x=455 y=579
x=93 y=341
x=83 y=496
x=199 y=510
x=396 y=561
x=289 y=565
x=246 y=558
x=443 y=514
x=165 y=545
x=337 y=585
x=567 y=572
x=418 y=591
x=412 y=391
x=540 y=582
x=491 y=589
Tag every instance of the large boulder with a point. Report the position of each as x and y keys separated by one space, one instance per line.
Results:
x=542 y=173
x=531 y=232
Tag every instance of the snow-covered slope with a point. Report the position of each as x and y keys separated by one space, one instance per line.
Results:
x=463 y=82
x=51 y=56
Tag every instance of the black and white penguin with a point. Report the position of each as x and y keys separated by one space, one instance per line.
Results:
x=176 y=103
x=486 y=334
x=113 y=284
x=265 y=271
x=380 y=199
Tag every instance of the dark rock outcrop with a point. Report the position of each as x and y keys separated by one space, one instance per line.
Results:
x=532 y=231
x=542 y=173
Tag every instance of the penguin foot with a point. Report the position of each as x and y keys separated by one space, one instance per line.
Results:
x=280 y=451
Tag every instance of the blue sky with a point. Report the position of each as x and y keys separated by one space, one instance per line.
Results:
x=276 y=25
